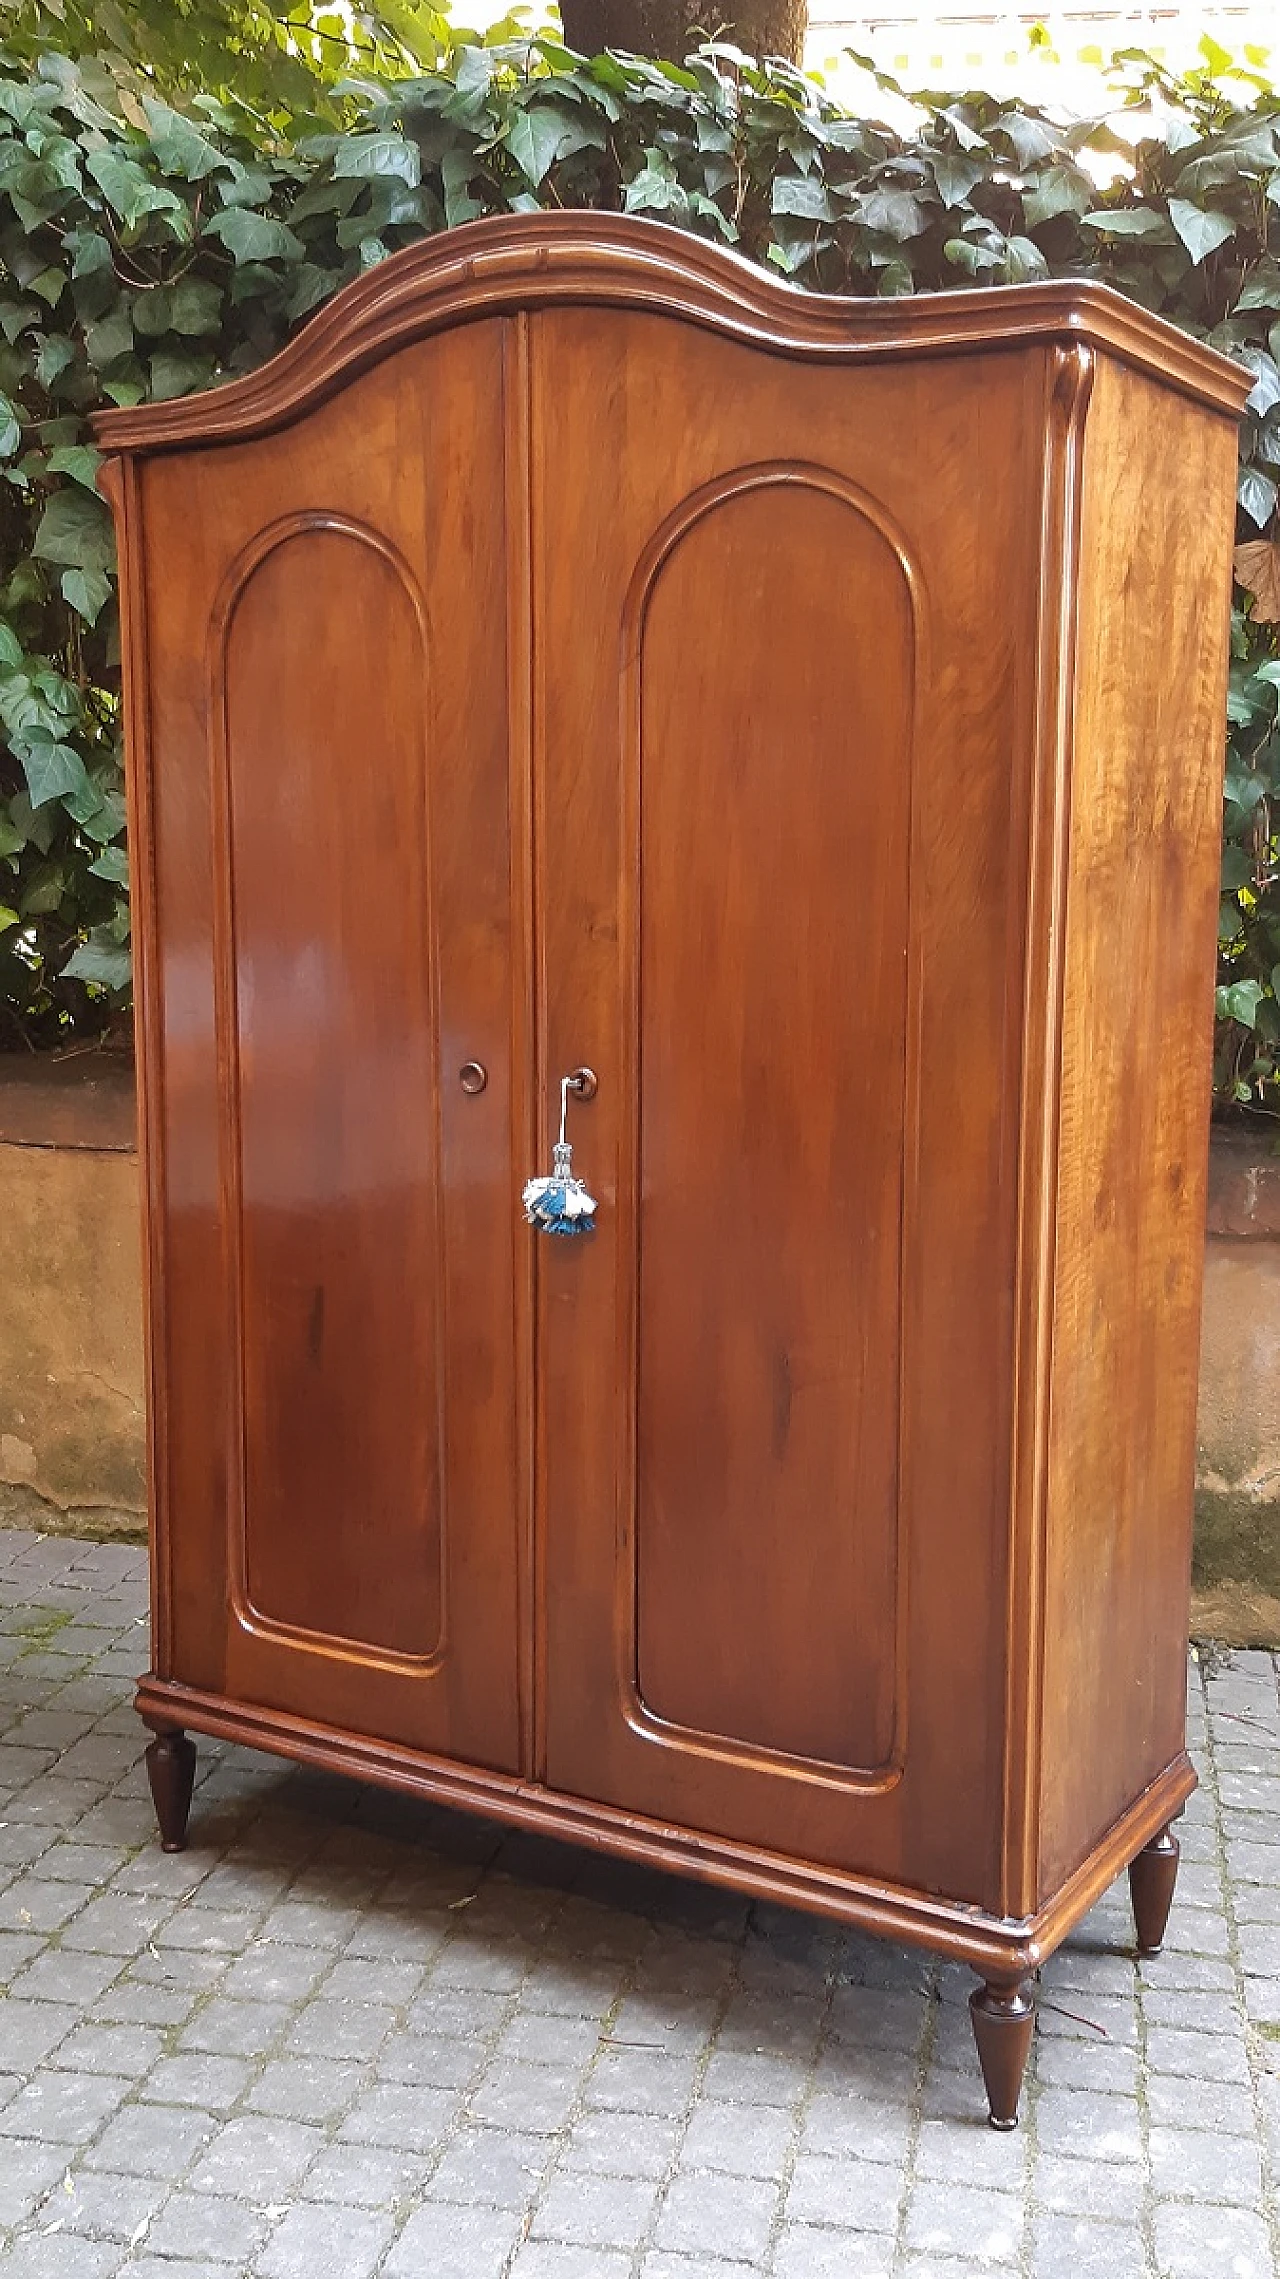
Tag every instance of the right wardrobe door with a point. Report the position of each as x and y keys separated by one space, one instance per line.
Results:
x=782 y=826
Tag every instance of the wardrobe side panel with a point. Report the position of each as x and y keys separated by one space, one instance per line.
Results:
x=1144 y=843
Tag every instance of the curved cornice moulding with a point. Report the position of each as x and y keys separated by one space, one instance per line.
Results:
x=525 y=261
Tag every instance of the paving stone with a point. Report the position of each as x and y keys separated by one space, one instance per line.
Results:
x=728 y=2216
x=433 y=2061
x=106 y=2207
x=755 y=2079
x=304 y=2088
x=64 y=2108
x=531 y=2097
x=596 y=2211
x=365 y=2176
x=857 y=2195
x=471 y=1962
x=29 y=2030
x=1069 y=2247
x=739 y=2140
x=364 y=1979
x=495 y=2167
x=1089 y=2127
x=406 y=2119
x=151 y=2140
x=622 y=2144
x=964 y=2149
x=1198 y=2057
x=38 y=1903
x=339 y=2029
x=61 y=1975
x=968 y=2220
x=540 y=2039
x=126 y=2051
x=454 y=2242
x=235 y=2029
x=1197 y=2164
x=857 y=2128
x=805 y=2252
x=117 y=1923
x=62 y=2255
x=641 y=2080
x=344 y=2243
x=27 y=2170
x=130 y=2001
x=143 y=2266
x=548 y=2259
x=608 y=2025
x=273 y=2152
x=1193 y=2242
x=274 y=1973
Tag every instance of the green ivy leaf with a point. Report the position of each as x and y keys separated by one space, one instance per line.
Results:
x=545 y=133
x=176 y=373
x=1257 y=495
x=893 y=213
x=1127 y=221
x=52 y=769
x=10 y=429
x=380 y=154
x=100 y=960
x=1031 y=138
x=656 y=189
x=126 y=188
x=78 y=460
x=1059 y=190
x=53 y=356
x=111 y=864
x=1201 y=232
x=1236 y=871
x=110 y=340
x=1239 y=1001
x=179 y=145
x=249 y=236
x=804 y=195
x=87 y=591
x=195 y=307
x=75 y=530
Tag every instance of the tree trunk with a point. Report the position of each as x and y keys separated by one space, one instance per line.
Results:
x=671 y=27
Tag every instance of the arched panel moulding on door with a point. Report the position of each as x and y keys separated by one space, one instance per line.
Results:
x=800 y=1515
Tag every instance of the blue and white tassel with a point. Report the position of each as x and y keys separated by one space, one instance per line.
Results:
x=561 y=1204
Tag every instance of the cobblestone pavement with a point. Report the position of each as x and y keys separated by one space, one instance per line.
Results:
x=345 y=2035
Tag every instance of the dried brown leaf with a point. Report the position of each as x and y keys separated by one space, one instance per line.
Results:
x=1257 y=568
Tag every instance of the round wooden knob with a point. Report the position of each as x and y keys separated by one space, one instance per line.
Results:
x=473 y=1076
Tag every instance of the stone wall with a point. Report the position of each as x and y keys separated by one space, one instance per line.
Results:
x=71 y=1391
x=1237 y=1557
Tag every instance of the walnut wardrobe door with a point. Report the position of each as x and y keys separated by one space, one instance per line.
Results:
x=777 y=835
x=330 y=794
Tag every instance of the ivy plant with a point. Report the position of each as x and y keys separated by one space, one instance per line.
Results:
x=158 y=237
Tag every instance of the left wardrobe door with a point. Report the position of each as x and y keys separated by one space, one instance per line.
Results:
x=319 y=643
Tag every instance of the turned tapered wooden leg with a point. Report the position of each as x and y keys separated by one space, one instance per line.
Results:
x=171 y=1770
x=1152 y=1877
x=1004 y=2015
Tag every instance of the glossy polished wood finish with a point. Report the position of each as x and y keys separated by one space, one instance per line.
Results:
x=1004 y=2017
x=171 y=1772
x=785 y=1531
x=1152 y=1876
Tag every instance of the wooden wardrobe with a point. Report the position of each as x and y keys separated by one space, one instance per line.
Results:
x=800 y=722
